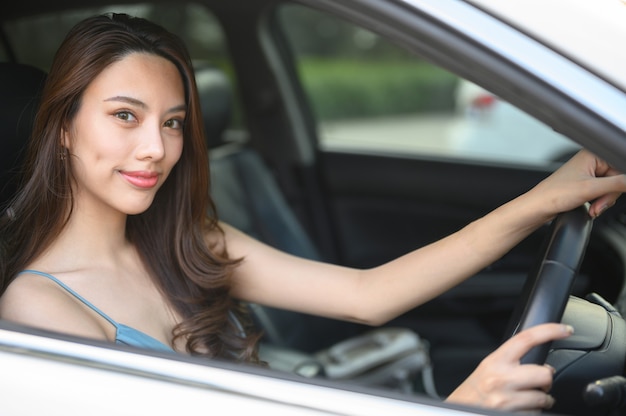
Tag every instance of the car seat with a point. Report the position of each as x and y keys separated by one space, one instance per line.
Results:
x=20 y=86
x=248 y=197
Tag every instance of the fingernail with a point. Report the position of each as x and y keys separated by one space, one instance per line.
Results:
x=549 y=402
x=599 y=211
x=569 y=329
x=602 y=209
x=552 y=369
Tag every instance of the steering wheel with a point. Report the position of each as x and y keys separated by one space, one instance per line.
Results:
x=547 y=289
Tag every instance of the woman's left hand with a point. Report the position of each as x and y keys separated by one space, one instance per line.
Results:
x=584 y=178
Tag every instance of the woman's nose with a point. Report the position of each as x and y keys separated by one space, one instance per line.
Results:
x=151 y=144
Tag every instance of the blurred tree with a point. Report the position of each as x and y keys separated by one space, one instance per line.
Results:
x=323 y=36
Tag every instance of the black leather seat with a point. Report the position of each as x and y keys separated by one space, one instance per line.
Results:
x=20 y=86
x=246 y=193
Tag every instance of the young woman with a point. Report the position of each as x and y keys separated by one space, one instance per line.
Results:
x=113 y=235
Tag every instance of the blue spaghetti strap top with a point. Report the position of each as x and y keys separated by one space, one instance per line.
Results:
x=124 y=335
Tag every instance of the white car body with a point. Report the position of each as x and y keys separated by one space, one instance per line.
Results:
x=74 y=378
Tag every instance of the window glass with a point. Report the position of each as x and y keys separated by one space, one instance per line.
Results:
x=368 y=93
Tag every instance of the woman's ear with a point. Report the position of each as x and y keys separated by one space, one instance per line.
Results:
x=65 y=138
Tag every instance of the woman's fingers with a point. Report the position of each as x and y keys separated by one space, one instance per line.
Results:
x=608 y=184
x=531 y=400
x=500 y=381
x=531 y=377
x=584 y=178
x=517 y=346
x=601 y=204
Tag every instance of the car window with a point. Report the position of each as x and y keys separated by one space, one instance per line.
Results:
x=35 y=39
x=369 y=94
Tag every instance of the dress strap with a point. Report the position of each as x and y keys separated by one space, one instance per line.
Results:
x=73 y=293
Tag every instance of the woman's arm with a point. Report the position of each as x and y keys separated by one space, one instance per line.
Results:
x=377 y=295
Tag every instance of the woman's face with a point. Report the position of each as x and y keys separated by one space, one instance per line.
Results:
x=127 y=135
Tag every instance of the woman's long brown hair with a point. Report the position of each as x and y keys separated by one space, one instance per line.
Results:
x=171 y=235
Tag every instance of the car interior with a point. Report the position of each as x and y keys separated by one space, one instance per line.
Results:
x=273 y=178
x=248 y=197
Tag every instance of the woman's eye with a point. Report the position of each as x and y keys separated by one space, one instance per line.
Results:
x=125 y=115
x=174 y=123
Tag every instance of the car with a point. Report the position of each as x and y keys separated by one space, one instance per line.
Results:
x=485 y=130
x=331 y=130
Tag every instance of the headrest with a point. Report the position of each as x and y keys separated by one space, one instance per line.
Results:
x=216 y=101
x=20 y=88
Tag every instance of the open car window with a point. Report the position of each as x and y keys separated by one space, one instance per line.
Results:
x=370 y=94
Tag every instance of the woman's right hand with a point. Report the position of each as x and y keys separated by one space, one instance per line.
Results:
x=501 y=382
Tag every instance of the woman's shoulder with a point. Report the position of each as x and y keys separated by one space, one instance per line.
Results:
x=30 y=295
x=34 y=299
x=24 y=286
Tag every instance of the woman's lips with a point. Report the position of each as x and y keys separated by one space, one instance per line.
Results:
x=141 y=179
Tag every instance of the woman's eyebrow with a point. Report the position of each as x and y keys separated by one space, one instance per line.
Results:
x=128 y=100
x=138 y=103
